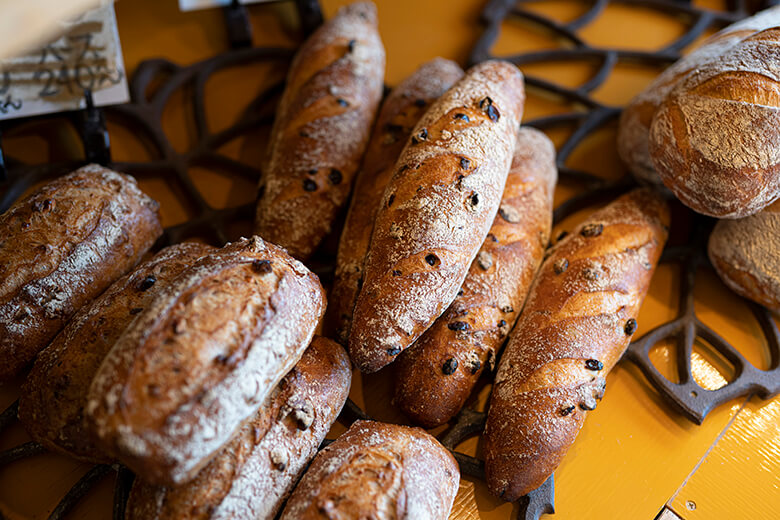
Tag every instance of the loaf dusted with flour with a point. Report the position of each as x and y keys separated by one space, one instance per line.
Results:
x=62 y=246
x=251 y=476
x=202 y=358
x=380 y=471
x=400 y=112
x=437 y=374
x=714 y=139
x=634 y=130
x=577 y=322
x=746 y=256
x=436 y=211
x=51 y=406
x=322 y=125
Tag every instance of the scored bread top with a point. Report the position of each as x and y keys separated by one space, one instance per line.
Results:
x=202 y=358
x=436 y=211
x=62 y=246
x=400 y=112
x=322 y=124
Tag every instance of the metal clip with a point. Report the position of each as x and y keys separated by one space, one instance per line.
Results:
x=239 y=28
x=97 y=144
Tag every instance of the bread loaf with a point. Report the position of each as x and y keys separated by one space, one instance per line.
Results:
x=714 y=140
x=62 y=246
x=436 y=211
x=53 y=397
x=322 y=124
x=634 y=129
x=436 y=375
x=577 y=322
x=400 y=112
x=251 y=476
x=746 y=256
x=202 y=358
x=379 y=471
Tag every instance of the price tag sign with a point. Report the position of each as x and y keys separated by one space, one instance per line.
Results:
x=53 y=78
x=192 y=5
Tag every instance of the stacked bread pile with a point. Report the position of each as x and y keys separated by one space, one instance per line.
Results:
x=200 y=370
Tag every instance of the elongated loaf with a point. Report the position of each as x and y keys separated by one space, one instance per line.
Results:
x=53 y=397
x=746 y=256
x=321 y=129
x=251 y=476
x=578 y=320
x=62 y=246
x=400 y=112
x=436 y=375
x=379 y=471
x=436 y=211
x=634 y=131
x=202 y=358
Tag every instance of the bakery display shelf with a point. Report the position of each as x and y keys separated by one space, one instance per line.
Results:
x=144 y=115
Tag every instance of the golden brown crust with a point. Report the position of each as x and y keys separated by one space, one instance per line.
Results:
x=400 y=112
x=576 y=323
x=746 y=256
x=379 y=471
x=62 y=246
x=321 y=129
x=51 y=406
x=251 y=476
x=436 y=211
x=436 y=375
x=202 y=358
x=635 y=120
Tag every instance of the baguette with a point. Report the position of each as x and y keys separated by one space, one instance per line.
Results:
x=400 y=112
x=251 y=476
x=437 y=374
x=746 y=255
x=436 y=211
x=321 y=129
x=634 y=128
x=577 y=322
x=714 y=140
x=202 y=358
x=379 y=471
x=51 y=406
x=61 y=247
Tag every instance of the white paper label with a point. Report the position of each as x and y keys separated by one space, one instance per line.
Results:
x=53 y=78
x=192 y=5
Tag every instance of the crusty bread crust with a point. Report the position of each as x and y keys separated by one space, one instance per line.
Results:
x=577 y=322
x=251 y=476
x=400 y=112
x=437 y=374
x=333 y=91
x=436 y=211
x=202 y=358
x=746 y=256
x=60 y=248
x=381 y=471
x=634 y=131
x=51 y=406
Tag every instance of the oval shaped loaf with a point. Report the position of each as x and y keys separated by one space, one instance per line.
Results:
x=634 y=129
x=379 y=471
x=400 y=112
x=62 y=246
x=437 y=374
x=323 y=121
x=746 y=256
x=714 y=140
x=51 y=406
x=202 y=358
x=251 y=476
x=436 y=211
x=577 y=322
